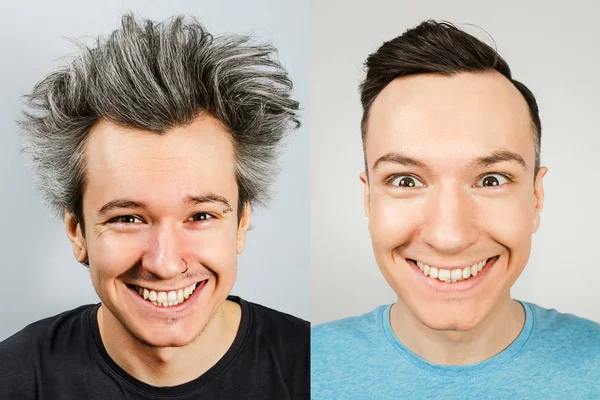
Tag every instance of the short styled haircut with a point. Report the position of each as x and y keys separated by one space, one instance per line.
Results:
x=156 y=76
x=437 y=48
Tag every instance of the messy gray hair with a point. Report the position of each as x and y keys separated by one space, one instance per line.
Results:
x=156 y=76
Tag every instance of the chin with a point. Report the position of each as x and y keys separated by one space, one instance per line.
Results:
x=457 y=323
x=453 y=316
x=174 y=335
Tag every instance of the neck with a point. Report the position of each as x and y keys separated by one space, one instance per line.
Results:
x=170 y=366
x=450 y=347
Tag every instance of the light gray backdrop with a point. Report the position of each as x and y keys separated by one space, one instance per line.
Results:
x=552 y=47
x=38 y=275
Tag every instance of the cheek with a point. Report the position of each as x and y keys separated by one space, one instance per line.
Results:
x=111 y=254
x=507 y=220
x=215 y=250
x=392 y=221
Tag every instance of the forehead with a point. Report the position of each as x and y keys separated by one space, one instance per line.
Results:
x=123 y=162
x=463 y=115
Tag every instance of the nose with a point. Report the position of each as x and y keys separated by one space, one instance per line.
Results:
x=449 y=220
x=163 y=256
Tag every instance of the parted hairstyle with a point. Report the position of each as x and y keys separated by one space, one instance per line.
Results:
x=157 y=76
x=437 y=48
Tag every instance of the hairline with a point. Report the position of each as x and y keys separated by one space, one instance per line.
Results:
x=367 y=111
x=79 y=214
x=255 y=102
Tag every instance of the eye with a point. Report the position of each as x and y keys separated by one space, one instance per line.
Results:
x=490 y=180
x=406 y=181
x=201 y=216
x=125 y=219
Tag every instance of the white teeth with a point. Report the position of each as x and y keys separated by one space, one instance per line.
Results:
x=446 y=275
x=466 y=272
x=481 y=264
x=161 y=297
x=456 y=274
x=166 y=299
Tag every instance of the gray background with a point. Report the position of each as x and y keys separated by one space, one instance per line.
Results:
x=39 y=276
x=551 y=46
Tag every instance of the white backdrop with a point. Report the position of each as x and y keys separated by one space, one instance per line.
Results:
x=552 y=47
x=38 y=275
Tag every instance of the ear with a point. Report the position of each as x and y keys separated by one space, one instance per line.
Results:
x=538 y=192
x=243 y=228
x=76 y=237
x=367 y=196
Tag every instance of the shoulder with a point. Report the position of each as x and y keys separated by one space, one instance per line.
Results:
x=566 y=333
x=348 y=331
x=346 y=344
x=551 y=322
x=343 y=352
x=23 y=353
x=281 y=344
x=43 y=332
x=276 y=324
x=281 y=333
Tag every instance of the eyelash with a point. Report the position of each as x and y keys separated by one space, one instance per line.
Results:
x=509 y=179
x=207 y=217
x=392 y=178
x=115 y=220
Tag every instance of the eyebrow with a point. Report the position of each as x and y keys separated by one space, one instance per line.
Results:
x=498 y=157
x=192 y=200
x=120 y=203
x=207 y=198
x=397 y=158
x=495 y=157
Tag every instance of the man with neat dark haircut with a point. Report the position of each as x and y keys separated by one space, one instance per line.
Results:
x=153 y=145
x=453 y=191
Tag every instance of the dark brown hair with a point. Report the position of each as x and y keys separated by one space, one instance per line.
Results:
x=437 y=48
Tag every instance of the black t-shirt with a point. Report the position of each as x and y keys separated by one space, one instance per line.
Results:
x=63 y=357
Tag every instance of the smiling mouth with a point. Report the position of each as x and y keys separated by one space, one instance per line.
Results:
x=455 y=274
x=168 y=298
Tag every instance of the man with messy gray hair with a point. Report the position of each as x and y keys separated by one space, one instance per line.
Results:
x=153 y=145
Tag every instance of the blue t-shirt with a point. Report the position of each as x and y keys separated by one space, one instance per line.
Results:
x=556 y=356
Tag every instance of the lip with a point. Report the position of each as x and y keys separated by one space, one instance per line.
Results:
x=162 y=290
x=456 y=287
x=179 y=308
x=450 y=268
